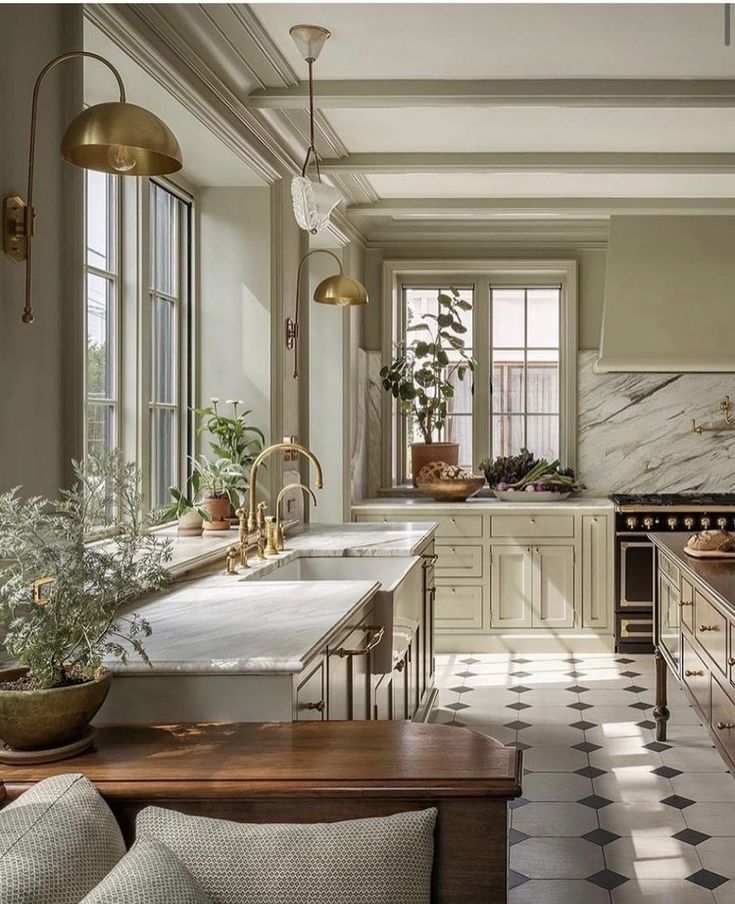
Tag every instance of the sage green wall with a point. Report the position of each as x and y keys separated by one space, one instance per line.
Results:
x=40 y=364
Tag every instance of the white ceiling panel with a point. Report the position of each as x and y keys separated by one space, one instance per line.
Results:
x=508 y=40
x=553 y=185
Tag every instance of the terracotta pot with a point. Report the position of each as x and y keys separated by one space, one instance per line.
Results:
x=36 y=720
x=191 y=524
x=424 y=453
x=219 y=510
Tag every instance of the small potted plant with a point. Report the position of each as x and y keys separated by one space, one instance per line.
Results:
x=221 y=483
x=60 y=596
x=231 y=437
x=420 y=378
x=189 y=514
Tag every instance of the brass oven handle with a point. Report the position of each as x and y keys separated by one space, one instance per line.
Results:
x=693 y=673
x=319 y=707
x=708 y=628
x=378 y=633
x=725 y=726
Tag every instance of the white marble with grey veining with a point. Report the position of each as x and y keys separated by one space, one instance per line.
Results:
x=374 y=423
x=477 y=504
x=634 y=431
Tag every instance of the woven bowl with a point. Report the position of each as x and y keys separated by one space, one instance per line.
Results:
x=451 y=490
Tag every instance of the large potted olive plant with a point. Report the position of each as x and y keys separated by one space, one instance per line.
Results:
x=420 y=378
x=60 y=596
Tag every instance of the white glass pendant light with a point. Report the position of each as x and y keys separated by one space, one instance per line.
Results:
x=313 y=201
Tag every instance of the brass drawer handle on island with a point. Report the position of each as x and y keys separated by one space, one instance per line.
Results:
x=429 y=560
x=693 y=673
x=725 y=726
x=377 y=636
x=709 y=628
x=319 y=707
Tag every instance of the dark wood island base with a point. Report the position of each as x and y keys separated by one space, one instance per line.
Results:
x=661 y=709
x=316 y=772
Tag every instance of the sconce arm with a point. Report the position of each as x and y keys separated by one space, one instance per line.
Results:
x=292 y=326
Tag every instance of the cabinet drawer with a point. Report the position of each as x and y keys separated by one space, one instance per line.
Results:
x=459 y=607
x=311 y=704
x=695 y=676
x=710 y=630
x=723 y=719
x=532 y=526
x=687 y=605
x=459 y=526
x=458 y=561
x=668 y=568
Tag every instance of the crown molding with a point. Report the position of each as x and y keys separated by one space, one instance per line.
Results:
x=589 y=234
x=265 y=44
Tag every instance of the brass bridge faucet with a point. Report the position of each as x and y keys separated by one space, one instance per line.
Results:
x=279 y=509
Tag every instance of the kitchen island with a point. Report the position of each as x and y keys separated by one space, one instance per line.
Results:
x=695 y=637
x=246 y=647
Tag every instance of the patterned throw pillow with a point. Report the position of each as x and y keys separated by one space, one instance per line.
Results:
x=362 y=861
x=57 y=842
x=149 y=874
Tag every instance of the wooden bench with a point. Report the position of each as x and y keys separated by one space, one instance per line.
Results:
x=316 y=772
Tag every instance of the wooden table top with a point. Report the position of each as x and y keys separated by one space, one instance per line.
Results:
x=250 y=759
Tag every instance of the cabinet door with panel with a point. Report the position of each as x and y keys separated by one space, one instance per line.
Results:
x=349 y=671
x=383 y=698
x=553 y=587
x=511 y=582
x=596 y=567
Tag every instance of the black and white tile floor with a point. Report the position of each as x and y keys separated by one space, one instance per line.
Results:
x=608 y=815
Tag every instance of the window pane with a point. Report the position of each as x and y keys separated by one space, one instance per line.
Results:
x=100 y=337
x=543 y=436
x=100 y=220
x=100 y=427
x=543 y=381
x=459 y=430
x=508 y=318
x=508 y=433
x=508 y=381
x=462 y=401
x=163 y=454
x=163 y=376
x=543 y=318
x=165 y=238
x=420 y=302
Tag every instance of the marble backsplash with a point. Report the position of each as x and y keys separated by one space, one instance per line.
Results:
x=634 y=431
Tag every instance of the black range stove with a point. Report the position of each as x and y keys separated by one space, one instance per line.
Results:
x=637 y=515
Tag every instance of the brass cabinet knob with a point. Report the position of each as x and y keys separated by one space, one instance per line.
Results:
x=693 y=673
x=319 y=707
x=533 y=520
x=731 y=661
x=725 y=726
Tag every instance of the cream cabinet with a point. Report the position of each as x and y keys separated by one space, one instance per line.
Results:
x=514 y=569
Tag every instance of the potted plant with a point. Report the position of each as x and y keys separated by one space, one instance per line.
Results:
x=420 y=378
x=232 y=438
x=187 y=511
x=221 y=484
x=60 y=596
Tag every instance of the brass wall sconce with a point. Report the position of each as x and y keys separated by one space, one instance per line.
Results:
x=340 y=289
x=116 y=137
x=729 y=420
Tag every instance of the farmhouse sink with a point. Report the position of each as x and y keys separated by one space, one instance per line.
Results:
x=398 y=602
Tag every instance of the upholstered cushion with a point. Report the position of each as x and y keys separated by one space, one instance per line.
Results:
x=362 y=861
x=149 y=874
x=57 y=841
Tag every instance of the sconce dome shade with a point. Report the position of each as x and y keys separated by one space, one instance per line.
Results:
x=121 y=138
x=340 y=290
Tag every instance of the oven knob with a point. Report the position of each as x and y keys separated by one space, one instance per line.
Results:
x=705 y=521
x=689 y=523
x=631 y=523
x=648 y=523
x=722 y=523
x=672 y=523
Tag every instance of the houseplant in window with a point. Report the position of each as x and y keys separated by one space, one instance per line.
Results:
x=221 y=482
x=232 y=438
x=61 y=597
x=190 y=514
x=420 y=378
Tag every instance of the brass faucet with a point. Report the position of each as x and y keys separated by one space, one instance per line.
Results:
x=276 y=447
x=279 y=509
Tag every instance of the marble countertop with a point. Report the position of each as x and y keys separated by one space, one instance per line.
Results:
x=227 y=624
x=717 y=575
x=483 y=503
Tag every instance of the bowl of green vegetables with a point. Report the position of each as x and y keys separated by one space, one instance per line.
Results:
x=525 y=478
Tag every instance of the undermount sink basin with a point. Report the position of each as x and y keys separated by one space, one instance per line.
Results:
x=398 y=602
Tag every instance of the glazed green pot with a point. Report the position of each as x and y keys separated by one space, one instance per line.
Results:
x=37 y=720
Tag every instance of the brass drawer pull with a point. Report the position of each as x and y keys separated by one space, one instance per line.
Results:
x=692 y=673
x=319 y=707
x=377 y=636
x=725 y=726
x=709 y=628
x=686 y=603
x=429 y=559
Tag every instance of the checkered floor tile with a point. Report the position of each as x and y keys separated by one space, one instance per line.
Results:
x=608 y=813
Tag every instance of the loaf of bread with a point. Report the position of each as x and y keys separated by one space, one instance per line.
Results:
x=712 y=541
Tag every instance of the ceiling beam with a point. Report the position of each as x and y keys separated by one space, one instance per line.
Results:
x=498 y=208
x=503 y=92
x=533 y=162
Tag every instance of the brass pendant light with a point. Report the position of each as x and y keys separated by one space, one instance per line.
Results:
x=115 y=137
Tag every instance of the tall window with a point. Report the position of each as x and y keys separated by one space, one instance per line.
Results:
x=102 y=312
x=168 y=290
x=525 y=370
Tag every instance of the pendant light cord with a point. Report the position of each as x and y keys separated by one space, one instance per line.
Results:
x=312 y=147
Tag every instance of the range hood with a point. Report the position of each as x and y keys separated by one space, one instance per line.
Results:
x=669 y=295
